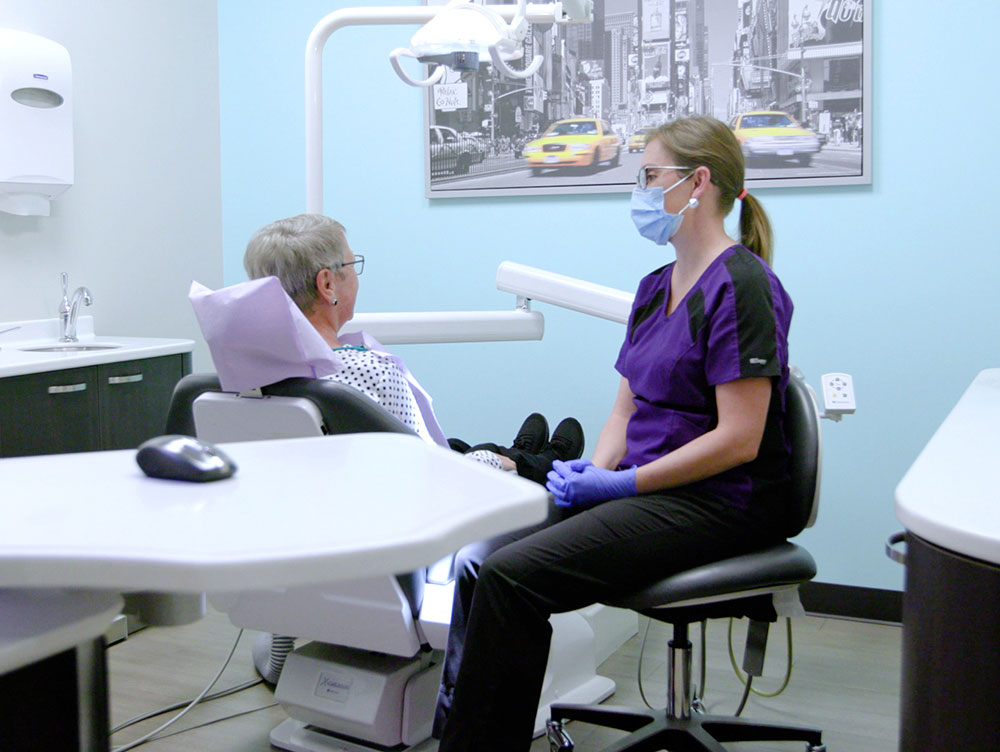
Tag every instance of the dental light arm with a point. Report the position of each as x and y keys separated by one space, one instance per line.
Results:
x=575 y=11
x=527 y=282
x=449 y=326
x=568 y=292
x=570 y=11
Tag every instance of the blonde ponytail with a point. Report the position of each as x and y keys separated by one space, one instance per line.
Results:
x=755 y=229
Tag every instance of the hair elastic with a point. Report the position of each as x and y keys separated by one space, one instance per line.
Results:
x=743 y=194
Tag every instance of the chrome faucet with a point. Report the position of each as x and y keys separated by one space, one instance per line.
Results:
x=68 y=310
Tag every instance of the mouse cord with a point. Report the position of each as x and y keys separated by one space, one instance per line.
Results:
x=195 y=701
x=207 y=698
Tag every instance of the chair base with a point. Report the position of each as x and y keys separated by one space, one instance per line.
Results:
x=653 y=730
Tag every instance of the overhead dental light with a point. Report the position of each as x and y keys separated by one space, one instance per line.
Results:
x=462 y=34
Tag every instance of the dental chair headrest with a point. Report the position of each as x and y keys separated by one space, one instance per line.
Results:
x=258 y=336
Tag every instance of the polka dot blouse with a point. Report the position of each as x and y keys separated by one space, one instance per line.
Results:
x=381 y=380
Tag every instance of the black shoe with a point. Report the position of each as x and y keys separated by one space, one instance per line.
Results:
x=566 y=444
x=567 y=441
x=533 y=434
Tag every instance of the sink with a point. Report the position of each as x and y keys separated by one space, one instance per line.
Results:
x=69 y=347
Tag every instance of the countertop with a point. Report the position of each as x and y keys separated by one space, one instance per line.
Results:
x=950 y=496
x=14 y=361
x=35 y=624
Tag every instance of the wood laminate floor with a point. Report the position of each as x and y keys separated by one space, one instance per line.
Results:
x=845 y=681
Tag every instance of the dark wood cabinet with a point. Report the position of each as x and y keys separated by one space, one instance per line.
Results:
x=45 y=413
x=111 y=406
x=134 y=398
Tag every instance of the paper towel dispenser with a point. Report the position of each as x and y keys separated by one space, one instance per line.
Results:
x=36 y=122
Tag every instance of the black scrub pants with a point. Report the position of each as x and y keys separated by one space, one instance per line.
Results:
x=506 y=589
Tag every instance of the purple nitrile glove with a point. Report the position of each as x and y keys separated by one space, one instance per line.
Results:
x=580 y=484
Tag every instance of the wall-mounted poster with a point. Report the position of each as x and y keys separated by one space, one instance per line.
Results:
x=792 y=78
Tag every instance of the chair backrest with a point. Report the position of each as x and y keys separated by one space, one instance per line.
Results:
x=803 y=431
x=222 y=417
x=339 y=408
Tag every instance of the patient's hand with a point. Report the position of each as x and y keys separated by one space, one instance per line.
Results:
x=507 y=462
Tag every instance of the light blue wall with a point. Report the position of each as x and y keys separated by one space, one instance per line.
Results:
x=895 y=283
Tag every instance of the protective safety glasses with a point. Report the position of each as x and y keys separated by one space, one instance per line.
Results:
x=643 y=178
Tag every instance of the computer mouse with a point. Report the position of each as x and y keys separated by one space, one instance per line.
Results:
x=178 y=457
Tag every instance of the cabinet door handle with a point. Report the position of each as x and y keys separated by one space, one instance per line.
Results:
x=894 y=553
x=125 y=379
x=67 y=388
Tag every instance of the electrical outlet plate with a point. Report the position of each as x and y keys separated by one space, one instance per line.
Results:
x=838 y=393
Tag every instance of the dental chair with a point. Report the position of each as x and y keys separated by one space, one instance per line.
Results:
x=369 y=678
x=754 y=585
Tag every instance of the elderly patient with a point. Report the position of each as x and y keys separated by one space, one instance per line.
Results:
x=310 y=256
x=315 y=265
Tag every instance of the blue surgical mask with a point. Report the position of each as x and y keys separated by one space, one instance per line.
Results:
x=653 y=221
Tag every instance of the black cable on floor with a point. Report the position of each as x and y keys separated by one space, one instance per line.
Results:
x=218 y=720
x=215 y=696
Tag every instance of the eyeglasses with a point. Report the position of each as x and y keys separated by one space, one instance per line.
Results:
x=358 y=264
x=643 y=178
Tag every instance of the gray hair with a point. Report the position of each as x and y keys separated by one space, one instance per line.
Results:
x=295 y=250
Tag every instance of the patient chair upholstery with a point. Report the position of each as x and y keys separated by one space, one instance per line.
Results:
x=405 y=616
x=746 y=585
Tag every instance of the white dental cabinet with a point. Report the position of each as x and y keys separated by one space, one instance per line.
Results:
x=60 y=397
x=100 y=392
x=81 y=528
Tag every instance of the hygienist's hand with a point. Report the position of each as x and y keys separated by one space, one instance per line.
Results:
x=580 y=484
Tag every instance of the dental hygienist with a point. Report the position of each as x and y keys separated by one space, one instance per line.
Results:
x=691 y=466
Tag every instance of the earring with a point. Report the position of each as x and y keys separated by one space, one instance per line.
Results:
x=693 y=202
x=335 y=301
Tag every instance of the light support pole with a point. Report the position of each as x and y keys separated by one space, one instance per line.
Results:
x=314 y=80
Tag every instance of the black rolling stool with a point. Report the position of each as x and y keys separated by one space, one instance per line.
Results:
x=737 y=587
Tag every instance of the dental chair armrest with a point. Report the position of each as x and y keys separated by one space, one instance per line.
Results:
x=180 y=416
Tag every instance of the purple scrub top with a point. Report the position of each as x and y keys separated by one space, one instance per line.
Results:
x=732 y=324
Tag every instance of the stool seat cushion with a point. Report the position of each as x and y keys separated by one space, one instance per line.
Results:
x=774 y=567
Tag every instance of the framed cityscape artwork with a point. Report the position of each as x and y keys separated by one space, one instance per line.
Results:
x=791 y=78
